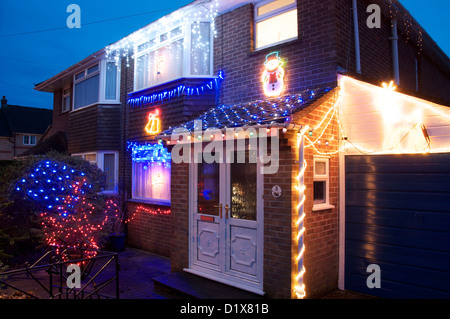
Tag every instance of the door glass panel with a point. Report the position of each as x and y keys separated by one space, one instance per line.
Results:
x=208 y=188
x=243 y=188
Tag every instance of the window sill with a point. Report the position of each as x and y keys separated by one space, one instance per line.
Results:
x=273 y=46
x=160 y=202
x=319 y=207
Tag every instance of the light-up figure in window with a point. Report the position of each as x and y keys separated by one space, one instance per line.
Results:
x=273 y=75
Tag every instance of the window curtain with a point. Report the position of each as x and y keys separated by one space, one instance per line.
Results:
x=200 y=48
x=109 y=168
x=86 y=92
x=151 y=180
x=111 y=81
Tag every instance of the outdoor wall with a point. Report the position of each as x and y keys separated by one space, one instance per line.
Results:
x=322 y=227
x=280 y=214
x=150 y=228
x=376 y=52
x=310 y=61
x=94 y=128
x=381 y=121
x=6 y=149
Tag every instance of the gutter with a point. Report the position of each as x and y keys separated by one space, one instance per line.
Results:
x=356 y=30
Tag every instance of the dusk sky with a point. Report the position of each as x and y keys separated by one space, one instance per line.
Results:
x=29 y=56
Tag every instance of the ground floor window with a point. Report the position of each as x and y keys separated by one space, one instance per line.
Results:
x=108 y=162
x=151 y=173
x=321 y=185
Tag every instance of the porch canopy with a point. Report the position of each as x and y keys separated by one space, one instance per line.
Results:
x=273 y=112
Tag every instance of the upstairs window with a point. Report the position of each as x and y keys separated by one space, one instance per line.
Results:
x=97 y=84
x=182 y=51
x=29 y=140
x=276 y=21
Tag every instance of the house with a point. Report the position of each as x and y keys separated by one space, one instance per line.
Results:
x=251 y=141
x=86 y=110
x=21 y=128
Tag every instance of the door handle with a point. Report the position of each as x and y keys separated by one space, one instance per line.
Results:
x=227 y=208
x=220 y=210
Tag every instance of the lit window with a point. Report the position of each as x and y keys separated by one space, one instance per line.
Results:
x=276 y=21
x=173 y=55
x=151 y=181
x=321 y=184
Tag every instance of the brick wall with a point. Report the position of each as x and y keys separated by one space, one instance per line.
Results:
x=322 y=227
x=280 y=215
x=149 y=228
x=376 y=53
x=310 y=61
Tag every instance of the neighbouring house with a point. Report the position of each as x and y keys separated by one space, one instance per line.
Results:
x=21 y=128
x=281 y=147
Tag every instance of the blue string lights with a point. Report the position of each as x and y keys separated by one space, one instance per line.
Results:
x=262 y=112
x=149 y=153
x=50 y=182
x=177 y=92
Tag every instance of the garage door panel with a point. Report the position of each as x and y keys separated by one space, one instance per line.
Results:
x=426 y=168
x=401 y=237
x=433 y=260
x=424 y=220
x=400 y=182
x=398 y=200
x=398 y=217
x=390 y=289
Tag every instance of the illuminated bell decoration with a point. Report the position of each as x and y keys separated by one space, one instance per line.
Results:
x=154 y=125
x=273 y=75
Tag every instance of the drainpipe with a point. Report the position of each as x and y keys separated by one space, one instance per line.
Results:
x=356 y=29
x=394 y=39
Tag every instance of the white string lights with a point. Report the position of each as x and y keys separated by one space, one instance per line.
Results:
x=192 y=14
x=299 y=288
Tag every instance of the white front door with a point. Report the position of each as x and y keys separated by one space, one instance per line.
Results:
x=226 y=221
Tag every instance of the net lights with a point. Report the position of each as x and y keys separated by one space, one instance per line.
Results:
x=151 y=153
x=50 y=182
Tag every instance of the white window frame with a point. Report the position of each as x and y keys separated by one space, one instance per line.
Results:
x=323 y=178
x=269 y=15
x=64 y=96
x=102 y=65
x=100 y=164
x=187 y=49
x=29 y=140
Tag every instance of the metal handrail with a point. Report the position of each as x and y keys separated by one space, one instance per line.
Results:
x=57 y=267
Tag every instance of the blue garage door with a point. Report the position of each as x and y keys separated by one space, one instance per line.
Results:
x=398 y=217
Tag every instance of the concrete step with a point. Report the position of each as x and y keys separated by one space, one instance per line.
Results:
x=196 y=287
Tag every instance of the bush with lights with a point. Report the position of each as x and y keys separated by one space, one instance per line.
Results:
x=57 y=198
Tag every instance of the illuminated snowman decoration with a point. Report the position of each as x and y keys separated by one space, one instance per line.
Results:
x=273 y=75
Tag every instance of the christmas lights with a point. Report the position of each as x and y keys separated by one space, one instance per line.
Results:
x=154 y=124
x=273 y=75
x=142 y=209
x=49 y=182
x=257 y=113
x=176 y=92
x=299 y=287
x=152 y=153
x=189 y=15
